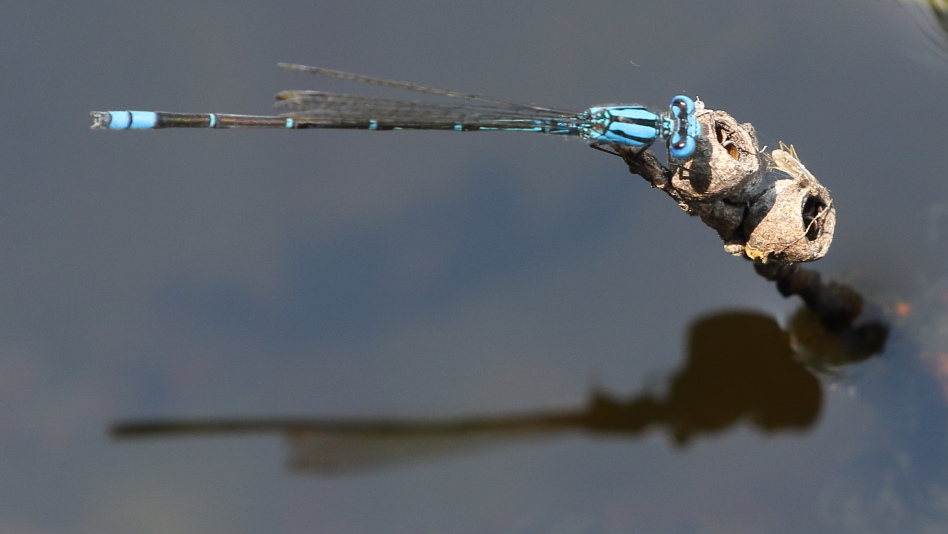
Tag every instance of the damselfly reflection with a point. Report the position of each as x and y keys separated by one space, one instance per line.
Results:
x=741 y=368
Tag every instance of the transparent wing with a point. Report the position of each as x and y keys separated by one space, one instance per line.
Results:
x=342 y=109
x=403 y=85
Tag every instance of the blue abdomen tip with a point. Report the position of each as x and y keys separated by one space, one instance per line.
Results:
x=132 y=120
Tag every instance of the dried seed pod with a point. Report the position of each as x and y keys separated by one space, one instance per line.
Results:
x=726 y=159
x=794 y=218
x=787 y=218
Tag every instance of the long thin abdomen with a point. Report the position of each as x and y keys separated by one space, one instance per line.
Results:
x=149 y=120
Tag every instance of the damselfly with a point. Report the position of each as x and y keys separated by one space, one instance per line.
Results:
x=602 y=126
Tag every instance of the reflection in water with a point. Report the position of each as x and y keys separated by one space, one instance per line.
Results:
x=827 y=352
x=741 y=367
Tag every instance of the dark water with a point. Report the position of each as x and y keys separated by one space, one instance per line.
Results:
x=429 y=275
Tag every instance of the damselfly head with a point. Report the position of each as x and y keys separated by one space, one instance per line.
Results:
x=687 y=129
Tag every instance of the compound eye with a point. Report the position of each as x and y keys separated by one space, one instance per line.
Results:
x=681 y=147
x=682 y=106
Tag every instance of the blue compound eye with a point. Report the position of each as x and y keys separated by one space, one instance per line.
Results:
x=682 y=107
x=681 y=147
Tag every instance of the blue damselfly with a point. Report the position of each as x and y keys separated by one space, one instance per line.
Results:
x=603 y=126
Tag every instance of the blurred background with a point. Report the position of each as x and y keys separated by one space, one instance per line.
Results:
x=414 y=274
